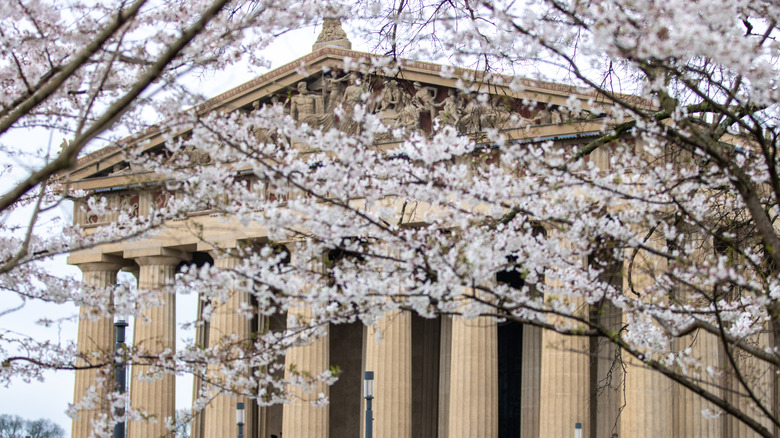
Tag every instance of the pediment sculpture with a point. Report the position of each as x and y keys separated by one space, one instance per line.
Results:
x=330 y=101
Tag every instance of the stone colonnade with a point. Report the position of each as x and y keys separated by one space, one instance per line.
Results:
x=95 y=340
x=226 y=328
x=155 y=397
x=556 y=377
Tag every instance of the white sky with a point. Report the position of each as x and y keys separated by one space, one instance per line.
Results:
x=50 y=398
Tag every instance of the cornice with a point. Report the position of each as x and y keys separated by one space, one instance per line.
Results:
x=313 y=63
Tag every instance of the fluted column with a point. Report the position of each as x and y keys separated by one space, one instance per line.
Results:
x=531 y=388
x=759 y=377
x=157 y=398
x=606 y=373
x=197 y=425
x=474 y=378
x=300 y=418
x=688 y=418
x=229 y=331
x=649 y=395
x=445 y=369
x=565 y=377
x=688 y=407
x=391 y=361
x=648 y=408
x=95 y=342
x=565 y=385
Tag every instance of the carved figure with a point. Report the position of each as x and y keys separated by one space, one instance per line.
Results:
x=390 y=98
x=543 y=117
x=522 y=122
x=119 y=169
x=471 y=121
x=129 y=204
x=353 y=96
x=162 y=198
x=495 y=115
x=275 y=101
x=565 y=114
x=331 y=30
x=424 y=99
x=262 y=134
x=556 y=117
x=333 y=92
x=304 y=107
x=192 y=156
x=408 y=114
x=353 y=93
x=452 y=110
x=390 y=103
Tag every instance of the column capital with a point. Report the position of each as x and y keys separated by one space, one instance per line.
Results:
x=99 y=262
x=101 y=266
x=165 y=257
x=157 y=397
x=158 y=260
x=136 y=254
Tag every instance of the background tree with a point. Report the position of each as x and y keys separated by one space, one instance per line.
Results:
x=11 y=425
x=14 y=426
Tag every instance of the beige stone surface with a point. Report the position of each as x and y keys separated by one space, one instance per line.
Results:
x=557 y=371
x=157 y=397
x=607 y=381
x=300 y=418
x=95 y=340
x=757 y=375
x=565 y=383
x=473 y=411
x=688 y=407
x=530 y=392
x=227 y=327
x=648 y=407
x=445 y=368
x=391 y=361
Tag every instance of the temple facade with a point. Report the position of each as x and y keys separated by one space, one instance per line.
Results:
x=442 y=377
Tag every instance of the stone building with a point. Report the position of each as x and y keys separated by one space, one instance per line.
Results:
x=440 y=377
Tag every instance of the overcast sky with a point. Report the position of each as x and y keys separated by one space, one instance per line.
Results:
x=50 y=398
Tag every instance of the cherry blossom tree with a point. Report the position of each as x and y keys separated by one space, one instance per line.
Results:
x=650 y=238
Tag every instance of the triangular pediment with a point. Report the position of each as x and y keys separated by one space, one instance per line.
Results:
x=413 y=95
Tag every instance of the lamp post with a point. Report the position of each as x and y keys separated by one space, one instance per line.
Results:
x=240 y=419
x=120 y=375
x=368 y=393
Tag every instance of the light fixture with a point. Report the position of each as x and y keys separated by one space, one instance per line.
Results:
x=240 y=419
x=120 y=373
x=368 y=393
x=368 y=384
